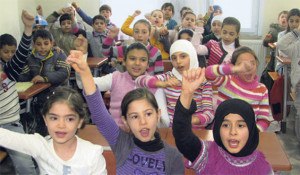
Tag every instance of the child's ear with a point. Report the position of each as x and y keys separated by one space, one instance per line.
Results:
x=80 y=123
x=52 y=43
x=124 y=121
x=158 y=115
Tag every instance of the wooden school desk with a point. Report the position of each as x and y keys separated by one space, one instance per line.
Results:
x=285 y=61
x=268 y=144
x=96 y=63
x=32 y=91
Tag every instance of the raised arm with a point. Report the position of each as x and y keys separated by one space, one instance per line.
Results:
x=105 y=123
x=186 y=141
x=126 y=25
x=82 y=14
x=14 y=66
x=112 y=51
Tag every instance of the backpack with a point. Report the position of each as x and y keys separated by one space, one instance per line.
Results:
x=265 y=78
x=276 y=98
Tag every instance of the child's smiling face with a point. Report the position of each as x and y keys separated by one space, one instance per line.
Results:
x=234 y=133
x=180 y=61
x=157 y=18
x=136 y=62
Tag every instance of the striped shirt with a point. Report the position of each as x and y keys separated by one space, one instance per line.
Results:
x=9 y=100
x=202 y=96
x=231 y=86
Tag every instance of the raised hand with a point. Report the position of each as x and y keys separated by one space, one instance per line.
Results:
x=28 y=20
x=242 y=67
x=136 y=13
x=268 y=37
x=39 y=10
x=81 y=44
x=74 y=4
x=163 y=30
x=192 y=79
x=77 y=61
x=113 y=32
x=211 y=9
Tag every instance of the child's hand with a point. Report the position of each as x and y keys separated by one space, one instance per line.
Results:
x=81 y=44
x=58 y=50
x=210 y=10
x=163 y=30
x=113 y=32
x=172 y=82
x=268 y=37
x=242 y=67
x=74 y=4
x=136 y=13
x=77 y=61
x=192 y=79
x=62 y=11
x=39 y=10
x=112 y=64
x=38 y=79
x=28 y=19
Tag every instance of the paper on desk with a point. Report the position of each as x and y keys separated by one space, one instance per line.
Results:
x=23 y=86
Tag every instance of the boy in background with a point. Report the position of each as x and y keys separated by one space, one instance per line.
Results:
x=63 y=36
x=10 y=108
x=8 y=46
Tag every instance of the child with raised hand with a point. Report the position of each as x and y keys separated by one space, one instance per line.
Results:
x=239 y=80
x=8 y=47
x=168 y=11
x=142 y=30
x=289 y=44
x=183 y=57
x=216 y=28
x=141 y=151
x=220 y=52
x=158 y=35
x=236 y=136
x=212 y=12
x=10 y=108
x=282 y=24
x=62 y=151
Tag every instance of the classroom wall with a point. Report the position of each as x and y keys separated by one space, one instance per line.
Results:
x=11 y=12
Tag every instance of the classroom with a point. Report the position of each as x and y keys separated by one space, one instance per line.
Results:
x=278 y=140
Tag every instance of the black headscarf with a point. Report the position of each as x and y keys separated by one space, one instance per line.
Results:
x=242 y=108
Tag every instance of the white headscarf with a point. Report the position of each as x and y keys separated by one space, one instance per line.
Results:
x=186 y=47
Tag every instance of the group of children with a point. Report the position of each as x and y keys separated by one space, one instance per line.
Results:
x=181 y=98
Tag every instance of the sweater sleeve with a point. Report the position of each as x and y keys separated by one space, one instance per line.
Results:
x=125 y=27
x=100 y=116
x=104 y=83
x=197 y=37
x=158 y=65
x=263 y=118
x=186 y=141
x=85 y=17
x=146 y=81
x=15 y=65
x=112 y=51
x=217 y=73
x=288 y=45
x=207 y=114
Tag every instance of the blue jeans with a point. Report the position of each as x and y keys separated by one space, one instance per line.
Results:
x=22 y=162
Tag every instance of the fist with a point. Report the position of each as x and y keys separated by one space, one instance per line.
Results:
x=114 y=32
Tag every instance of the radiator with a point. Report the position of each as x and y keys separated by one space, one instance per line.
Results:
x=260 y=52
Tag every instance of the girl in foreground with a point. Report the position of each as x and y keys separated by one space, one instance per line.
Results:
x=236 y=136
x=141 y=151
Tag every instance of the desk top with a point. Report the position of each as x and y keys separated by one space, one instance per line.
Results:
x=33 y=90
x=268 y=144
x=284 y=60
x=96 y=62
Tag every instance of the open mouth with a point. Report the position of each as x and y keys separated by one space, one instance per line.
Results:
x=60 y=134
x=144 y=132
x=233 y=143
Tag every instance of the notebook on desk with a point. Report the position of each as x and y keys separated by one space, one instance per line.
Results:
x=23 y=86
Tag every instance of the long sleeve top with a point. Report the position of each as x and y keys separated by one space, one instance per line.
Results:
x=163 y=43
x=63 y=40
x=231 y=86
x=130 y=158
x=206 y=157
x=10 y=108
x=202 y=96
x=87 y=159
x=290 y=45
x=155 y=61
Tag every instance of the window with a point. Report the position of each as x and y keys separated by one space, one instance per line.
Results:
x=248 y=12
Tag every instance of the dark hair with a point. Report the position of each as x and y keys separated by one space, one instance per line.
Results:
x=98 y=17
x=184 y=8
x=68 y=95
x=42 y=34
x=105 y=7
x=186 y=13
x=168 y=4
x=240 y=51
x=143 y=21
x=282 y=12
x=235 y=22
x=64 y=17
x=138 y=46
x=293 y=12
x=187 y=31
x=137 y=94
x=7 y=39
